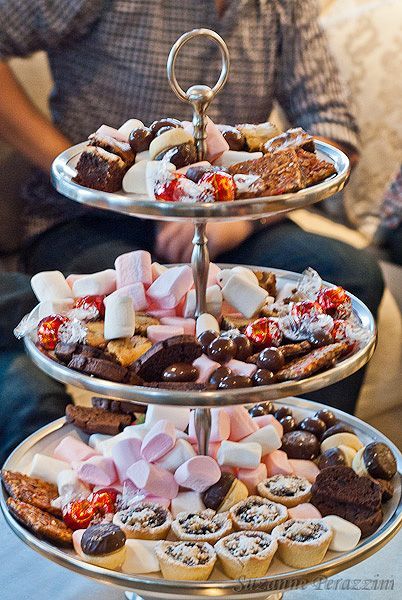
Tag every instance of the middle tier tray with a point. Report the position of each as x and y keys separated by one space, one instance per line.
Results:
x=148 y=395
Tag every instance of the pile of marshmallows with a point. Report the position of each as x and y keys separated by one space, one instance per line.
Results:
x=160 y=462
x=138 y=284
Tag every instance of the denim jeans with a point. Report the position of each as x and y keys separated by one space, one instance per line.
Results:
x=30 y=399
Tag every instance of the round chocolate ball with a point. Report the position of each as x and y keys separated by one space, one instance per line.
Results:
x=140 y=139
x=168 y=122
x=339 y=427
x=327 y=416
x=263 y=377
x=333 y=457
x=244 y=347
x=282 y=411
x=300 y=444
x=271 y=359
x=219 y=374
x=180 y=373
x=222 y=350
x=261 y=409
x=235 y=381
x=206 y=337
x=233 y=136
x=314 y=425
x=320 y=338
x=288 y=423
x=180 y=156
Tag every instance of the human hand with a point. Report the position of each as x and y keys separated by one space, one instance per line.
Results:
x=174 y=240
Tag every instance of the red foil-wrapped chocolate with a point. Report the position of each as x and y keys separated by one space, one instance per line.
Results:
x=48 y=331
x=306 y=309
x=165 y=190
x=264 y=332
x=335 y=302
x=91 y=304
x=79 y=514
x=223 y=184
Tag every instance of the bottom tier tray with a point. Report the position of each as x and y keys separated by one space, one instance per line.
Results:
x=279 y=577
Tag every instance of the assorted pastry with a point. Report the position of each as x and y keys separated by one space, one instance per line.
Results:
x=127 y=489
x=136 y=324
x=160 y=161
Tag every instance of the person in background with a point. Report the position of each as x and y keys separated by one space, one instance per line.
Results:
x=108 y=62
x=389 y=233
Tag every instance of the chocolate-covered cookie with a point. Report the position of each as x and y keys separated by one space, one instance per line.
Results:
x=101 y=539
x=180 y=373
x=140 y=139
x=180 y=156
x=333 y=457
x=233 y=136
x=214 y=496
x=379 y=460
x=339 y=427
x=300 y=444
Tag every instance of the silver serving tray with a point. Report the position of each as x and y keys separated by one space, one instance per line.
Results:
x=63 y=170
x=153 y=586
x=342 y=369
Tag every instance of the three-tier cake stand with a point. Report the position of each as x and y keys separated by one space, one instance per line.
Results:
x=279 y=577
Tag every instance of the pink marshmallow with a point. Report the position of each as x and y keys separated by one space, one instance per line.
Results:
x=112 y=132
x=168 y=290
x=136 y=292
x=160 y=313
x=125 y=453
x=70 y=449
x=97 y=470
x=73 y=277
x=227 y=469
x=198 y=473
x=153 y=479
x=188 y=325
x=205 y=367
x=252 y=477
x=77 y=537
x=213 y=272
x=133 y=267
x=158 y=333
x=201 y=163
x=220 y=426
x=159 y=440
x=269 y=420
x=305 y=468
x=277 y=463
x=304 y=511
x=216 y=143
x=241 y=423
x=238 y=367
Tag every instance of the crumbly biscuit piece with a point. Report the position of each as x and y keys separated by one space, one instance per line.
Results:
x=95 y=337
x=142 y=322
x=40 y=522
x=28 y=489
x=127 y=350
x=97 y=420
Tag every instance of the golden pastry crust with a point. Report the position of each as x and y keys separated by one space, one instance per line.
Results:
x=144 y=521
x=186 y=560
x=302 y=542
x=204 y=526
x=257 y=514
x=246 y=554
x=289 y=490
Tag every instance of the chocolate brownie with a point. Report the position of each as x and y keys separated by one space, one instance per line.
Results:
x=118 y=406
x=98 y=367
x=180 y=348
x=122 y=149
x=339 y=491
x=100 y=170
x=34 y=491
x=65 y=352
x=97 y=420
x=40 y=522
x=318 y=359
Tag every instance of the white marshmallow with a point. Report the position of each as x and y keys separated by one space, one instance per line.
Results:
x=96 y=440
x=233 y=157
x=157 y=270
x=178 y=455
x=240 y=455
x=144 y=155
x=206 y=322
x=68 y=483
x=119 y=317
x=267 y=437
x=244 y=296
x=224 y=276
x=47 y=468
x=50 y=285
x=214 y=300
x=346 y=535
x=140 y=557
x=186 y=501
x=129 y=125
x=152 y=170
x=134 y=181
x=103 y=282
x=54 y=307
x=137 y=431
x=179 y=416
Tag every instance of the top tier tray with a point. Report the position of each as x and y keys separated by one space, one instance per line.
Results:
x=63 y=171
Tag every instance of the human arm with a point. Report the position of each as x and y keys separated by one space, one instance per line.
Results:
x=308 y=86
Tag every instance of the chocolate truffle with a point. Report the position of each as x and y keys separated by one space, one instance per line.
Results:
x=313 y=425
x=282 y=411
x=300 y=444
x=271 y=359
x=333 y=457
x=102 y=539
x=263 y=377
x=339 y=427
x=244 y=347
x=180 y=372
x=219 y=374
x=180 y=156
x=327 y=416
x=222 y=349
x=288 y=423
x=206 y=337
x=233 y=136
x=235 y=381
x=161 y=123
x=261 y=409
